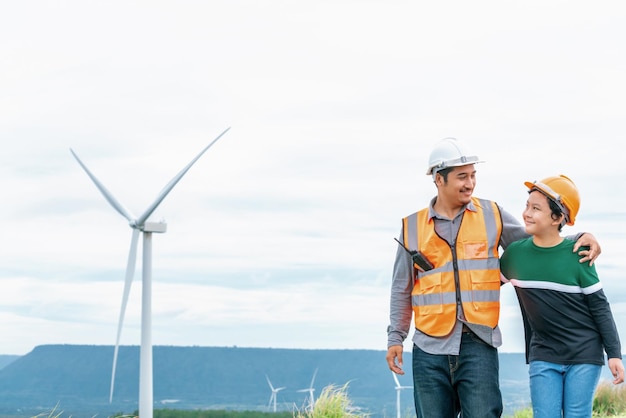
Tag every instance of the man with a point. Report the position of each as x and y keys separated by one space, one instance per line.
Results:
x=455 y=304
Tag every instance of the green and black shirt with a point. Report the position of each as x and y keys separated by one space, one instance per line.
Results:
x=567 y=317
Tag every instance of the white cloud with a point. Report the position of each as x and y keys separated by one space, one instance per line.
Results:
x=333 y=107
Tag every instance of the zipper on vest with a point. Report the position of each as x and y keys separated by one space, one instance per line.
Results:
x=457 y=284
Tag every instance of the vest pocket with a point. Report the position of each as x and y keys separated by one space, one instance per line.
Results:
x=485 y=291
x=428 y=296
x=474 y=250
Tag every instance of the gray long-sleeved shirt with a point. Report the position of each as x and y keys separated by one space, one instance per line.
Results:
x=401 y=311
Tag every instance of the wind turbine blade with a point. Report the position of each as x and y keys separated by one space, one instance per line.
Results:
x=313 y=380
x=130 y=272
x=172 y=183
x=396 y=379
x=107 y=195
x=270 y=383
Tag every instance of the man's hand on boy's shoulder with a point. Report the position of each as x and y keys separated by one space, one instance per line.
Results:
x=588 y=248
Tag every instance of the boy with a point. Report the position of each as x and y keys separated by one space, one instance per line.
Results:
x=568 y=322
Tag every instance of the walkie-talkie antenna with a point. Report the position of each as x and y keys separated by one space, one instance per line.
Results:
x=418 y=258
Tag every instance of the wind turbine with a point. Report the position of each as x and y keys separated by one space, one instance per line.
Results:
x=310 y=390
x=398 y=390
x=140 y=224
x=274 y=392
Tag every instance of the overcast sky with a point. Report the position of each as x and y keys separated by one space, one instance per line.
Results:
x=281 y=235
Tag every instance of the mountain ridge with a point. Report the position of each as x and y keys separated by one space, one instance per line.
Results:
x=77 y=378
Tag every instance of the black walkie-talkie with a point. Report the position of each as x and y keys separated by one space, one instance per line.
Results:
x=418 y=258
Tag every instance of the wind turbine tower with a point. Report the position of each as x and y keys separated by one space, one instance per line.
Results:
x=399 y=389
x=275 y=391
x=310 y=390
x=141 y=225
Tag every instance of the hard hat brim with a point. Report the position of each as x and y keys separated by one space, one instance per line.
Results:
x=455 y=164
x=542 y=188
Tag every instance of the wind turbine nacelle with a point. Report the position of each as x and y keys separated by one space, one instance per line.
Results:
x=158 y=227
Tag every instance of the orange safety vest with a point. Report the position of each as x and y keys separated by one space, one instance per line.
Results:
x=468 y=271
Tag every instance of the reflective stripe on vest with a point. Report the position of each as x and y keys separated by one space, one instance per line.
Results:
x=434 y=295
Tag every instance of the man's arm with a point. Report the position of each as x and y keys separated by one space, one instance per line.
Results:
x=590 y=248
x=512 y=229
x=400 y=309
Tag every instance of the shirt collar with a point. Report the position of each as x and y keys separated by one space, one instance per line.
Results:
x=432 y=214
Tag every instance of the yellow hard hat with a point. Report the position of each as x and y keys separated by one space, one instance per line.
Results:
x=562 y=191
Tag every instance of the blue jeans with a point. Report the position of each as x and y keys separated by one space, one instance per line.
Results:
x=444 y=386
x=562 y=390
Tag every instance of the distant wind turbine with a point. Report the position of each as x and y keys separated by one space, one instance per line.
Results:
x=272 y=401
x=399 y=389
x=140 y=224
x=310 y=390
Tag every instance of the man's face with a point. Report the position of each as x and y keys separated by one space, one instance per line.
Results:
x=460 y=185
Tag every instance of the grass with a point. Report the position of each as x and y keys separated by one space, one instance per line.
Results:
x=609 y=402
x=55 y=413
x=334 y=402
x=52 y=414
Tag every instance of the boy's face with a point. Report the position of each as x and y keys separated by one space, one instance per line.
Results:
x=537 y=215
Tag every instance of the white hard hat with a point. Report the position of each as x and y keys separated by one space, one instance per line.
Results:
x=450 y=152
